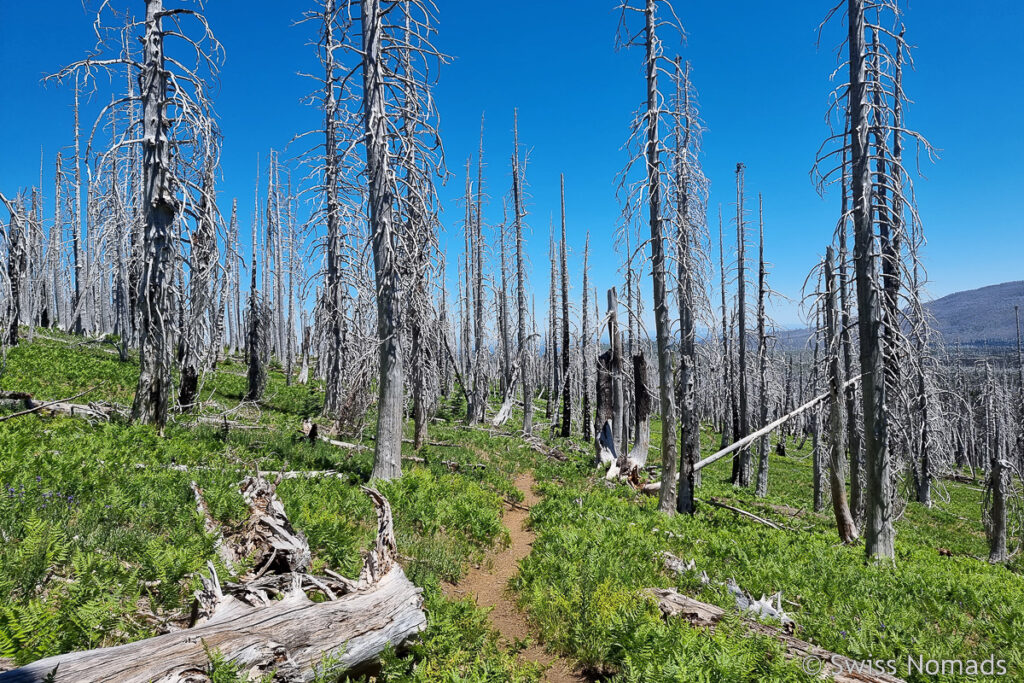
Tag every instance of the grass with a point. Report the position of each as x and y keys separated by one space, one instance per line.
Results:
x=96 y=532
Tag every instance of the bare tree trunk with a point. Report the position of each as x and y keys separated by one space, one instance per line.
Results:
x=726 y=354
x=152 y=394
x=879 y=532
x=741 y=464
x=199 y=331
x=15 y=260
x=837 y=452
x=995 y=494
x=518 y=215
x=387 y=455
x=761 y=488
x=256 y=341
x=585 y=343
x=854 y=441
x=332 y=296
x=615 y=345
x=503 y=314
x=566 y=398
x=76 y=226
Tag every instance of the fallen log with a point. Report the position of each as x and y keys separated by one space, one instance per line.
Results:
x=311 y=431
x=452 y=465
x=751 y=438
x=60 y=406
x=748 y=515
x=701 y=614
x=266 y=624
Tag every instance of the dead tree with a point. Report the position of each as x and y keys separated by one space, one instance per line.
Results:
x=518 y=214
x=995 y=503
x=761 y=488
x=504 y=324
x=647 y=127
x=553 y=387
x=837 y=450
x=165 y=188
x=729 y=396
x=741 y=464
x=870 y=108
x=688 y=191
x=15 y=267
x=566 y=398
x=478 y=403
x=585 y=342
x=198 y=333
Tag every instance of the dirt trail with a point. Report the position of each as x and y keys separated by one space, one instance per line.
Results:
x=487 y=587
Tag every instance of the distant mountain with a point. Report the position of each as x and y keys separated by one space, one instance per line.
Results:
x=976 y=317
x=979 y=317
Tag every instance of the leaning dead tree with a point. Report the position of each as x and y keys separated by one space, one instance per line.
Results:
x=868 y=151
x=266 y=622
x=174 y=119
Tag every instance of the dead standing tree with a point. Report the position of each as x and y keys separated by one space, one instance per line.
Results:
x=741 y=464
x=174 y=119
x=198 y=331
x=15 y=266
x=869 y=109
x=518 y=213
x=689 y=189
x=645 y=139
x=563 y=256
x=389 y=42
x=837 y=448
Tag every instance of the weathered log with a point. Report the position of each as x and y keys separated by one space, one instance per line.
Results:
x=674 y=604
x=748 y=515
x=60 y=406
x=249 y=626
x=289 y=636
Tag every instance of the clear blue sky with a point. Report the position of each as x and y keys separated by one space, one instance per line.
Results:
x=763 y=86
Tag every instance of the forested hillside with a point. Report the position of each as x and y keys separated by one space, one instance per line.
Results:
x=363 y=420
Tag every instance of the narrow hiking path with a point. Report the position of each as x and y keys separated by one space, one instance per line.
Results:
x=487 y=587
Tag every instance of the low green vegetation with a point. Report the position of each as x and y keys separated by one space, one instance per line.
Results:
x=100 y=542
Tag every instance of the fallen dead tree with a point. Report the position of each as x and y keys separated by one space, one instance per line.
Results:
x=763 y=432
x=674 y=604
x=265 y=623
x=62 y=406
x=769 y=607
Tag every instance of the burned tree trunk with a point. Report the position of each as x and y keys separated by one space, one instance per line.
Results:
x=387 y=455
x=15 y=259
x=517 y=218
x=199 y=333
x=854 y=441
x=879 y=532
x=566 y=397
x=604 y=443
x=837 y=452
x=152 y=393
x=741 y=464
x=585 y=343
x=761 y=488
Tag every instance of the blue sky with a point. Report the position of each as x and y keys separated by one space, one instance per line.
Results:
x=763 y=90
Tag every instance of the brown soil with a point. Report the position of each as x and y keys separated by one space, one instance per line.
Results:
x=486 y=584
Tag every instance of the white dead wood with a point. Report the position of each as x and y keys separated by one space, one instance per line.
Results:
x=266 y=622
x=673 y=604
